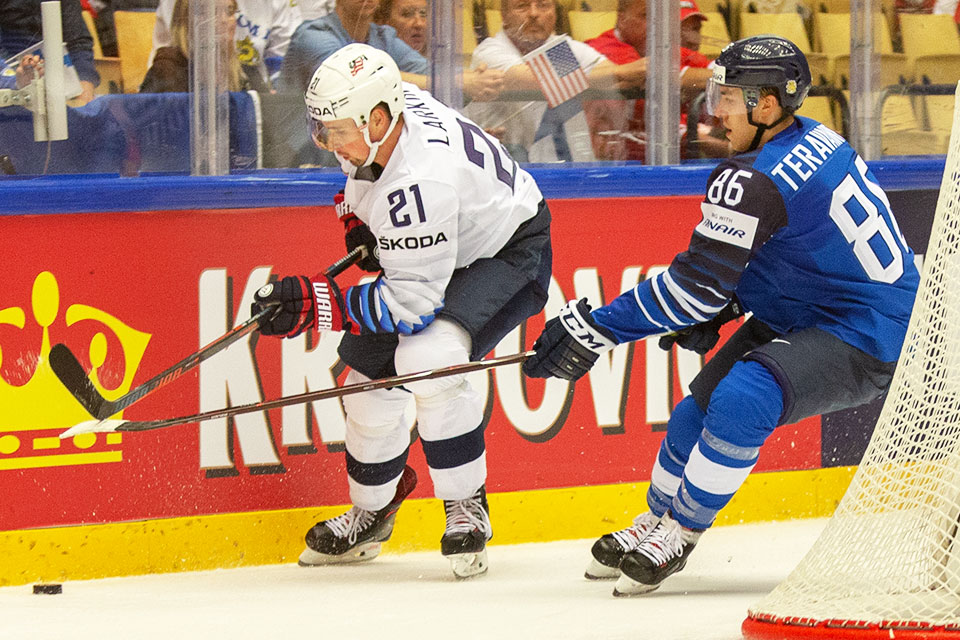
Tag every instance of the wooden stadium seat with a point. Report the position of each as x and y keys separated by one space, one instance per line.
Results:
x=714 y=33
x=494 y=21
x=894 y=69
x=589 y=24
x=833 y=6
x=820 y=109
x=938 y=113
x=134 y=42
x=943 y=68
x=901 y=130
x=928 y=35
x=599 y=5
x=111 y=78
x=831 y=35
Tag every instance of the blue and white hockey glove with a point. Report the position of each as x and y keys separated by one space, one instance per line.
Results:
x=569 y=345
x=701 y=338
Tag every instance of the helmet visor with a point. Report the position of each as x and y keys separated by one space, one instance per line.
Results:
x=724 y=99
x=335 y=134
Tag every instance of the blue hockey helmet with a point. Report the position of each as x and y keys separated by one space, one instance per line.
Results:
x=759 y=62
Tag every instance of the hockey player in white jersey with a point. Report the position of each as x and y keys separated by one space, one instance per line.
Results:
x=461 y=236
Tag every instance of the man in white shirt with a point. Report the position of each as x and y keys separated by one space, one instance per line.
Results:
x=530 y=129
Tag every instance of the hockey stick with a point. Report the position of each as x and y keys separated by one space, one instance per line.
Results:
x=71 y=373
x=107 y=426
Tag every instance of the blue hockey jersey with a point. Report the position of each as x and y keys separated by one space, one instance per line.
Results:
x=803 y=235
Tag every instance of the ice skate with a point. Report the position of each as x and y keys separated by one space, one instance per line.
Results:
x=356 y=535
x=466 y=535
x=661 y=554
x=608 y=551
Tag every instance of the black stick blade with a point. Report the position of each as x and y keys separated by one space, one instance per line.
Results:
x=70 y=372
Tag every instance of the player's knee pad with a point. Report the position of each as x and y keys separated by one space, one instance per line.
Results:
x=746 y=406
x=442 y=344
x=376 y=410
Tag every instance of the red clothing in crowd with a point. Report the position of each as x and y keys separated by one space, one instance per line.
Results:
x=626 y=116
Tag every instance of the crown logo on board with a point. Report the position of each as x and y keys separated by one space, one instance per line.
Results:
x=42 y=403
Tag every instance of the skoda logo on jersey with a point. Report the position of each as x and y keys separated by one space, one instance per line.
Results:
x=410 y=242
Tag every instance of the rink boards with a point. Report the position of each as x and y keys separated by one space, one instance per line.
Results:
x=133 y=291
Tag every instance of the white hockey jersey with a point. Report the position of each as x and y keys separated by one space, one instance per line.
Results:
x=449 y=195
x=263 y=32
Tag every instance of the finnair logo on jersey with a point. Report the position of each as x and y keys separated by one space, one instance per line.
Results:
x=727 y=225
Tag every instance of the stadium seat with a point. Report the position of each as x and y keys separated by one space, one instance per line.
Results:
x=901 y=130
x=831 y=34
x=111 y=79
x=494 y=21
x=469 y=32
x=942 y=68
x=134 y=42
x=598 y=5
x=938 y=112
x=714 y=33
x=894 y=69
x=589 y=24
x=929 y=35
x=820 y=109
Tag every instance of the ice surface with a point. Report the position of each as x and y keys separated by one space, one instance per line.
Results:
x=532 y=591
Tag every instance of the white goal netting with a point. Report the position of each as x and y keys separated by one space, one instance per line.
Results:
x=890 y=556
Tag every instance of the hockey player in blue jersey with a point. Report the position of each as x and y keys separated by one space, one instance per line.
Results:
x=796 y=231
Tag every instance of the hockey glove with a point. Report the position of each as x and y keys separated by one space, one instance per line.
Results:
x=569 y=345
x=301 y=301
x=701 y=338
x=357 y=234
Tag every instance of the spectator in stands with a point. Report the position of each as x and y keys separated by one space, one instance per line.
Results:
x=21 y=27
x=618 y=127
x=19 y=77
x=170 y=70
x=352 y=21
x=263 y=32
x=313 y=9
x=530 y=130
x=409 y=18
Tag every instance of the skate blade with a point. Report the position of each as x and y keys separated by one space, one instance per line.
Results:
x=468 y=565
x=597 y=571
x=627 y=588
x=361 y=553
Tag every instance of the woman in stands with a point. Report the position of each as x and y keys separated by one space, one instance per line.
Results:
x=171 y=65
x=409 y=18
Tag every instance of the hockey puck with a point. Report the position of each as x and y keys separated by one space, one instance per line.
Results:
x=50 y=589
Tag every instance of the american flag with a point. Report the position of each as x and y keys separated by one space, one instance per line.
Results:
x=558 y=71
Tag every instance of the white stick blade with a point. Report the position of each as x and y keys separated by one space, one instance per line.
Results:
x=92 y=426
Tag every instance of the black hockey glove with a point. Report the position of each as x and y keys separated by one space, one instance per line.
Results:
x=293 y=294
x=569 y=345
x=702 y=337
x=357 y=234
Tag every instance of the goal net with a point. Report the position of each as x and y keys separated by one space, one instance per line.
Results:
x=888 y=563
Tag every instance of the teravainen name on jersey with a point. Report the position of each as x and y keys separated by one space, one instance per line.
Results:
x=762 y=238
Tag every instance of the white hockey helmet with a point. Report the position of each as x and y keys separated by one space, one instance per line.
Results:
x=350 y=84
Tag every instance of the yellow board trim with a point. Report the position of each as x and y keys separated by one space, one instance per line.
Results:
x=276 y=537
x=61 y=460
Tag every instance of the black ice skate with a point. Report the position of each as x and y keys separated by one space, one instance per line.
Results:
x=468 y=529
x=356 y=535
x=609 y=550
x=662 y=553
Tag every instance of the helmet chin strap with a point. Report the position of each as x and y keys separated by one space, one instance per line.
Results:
x=761 y=128
x=375 y=146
